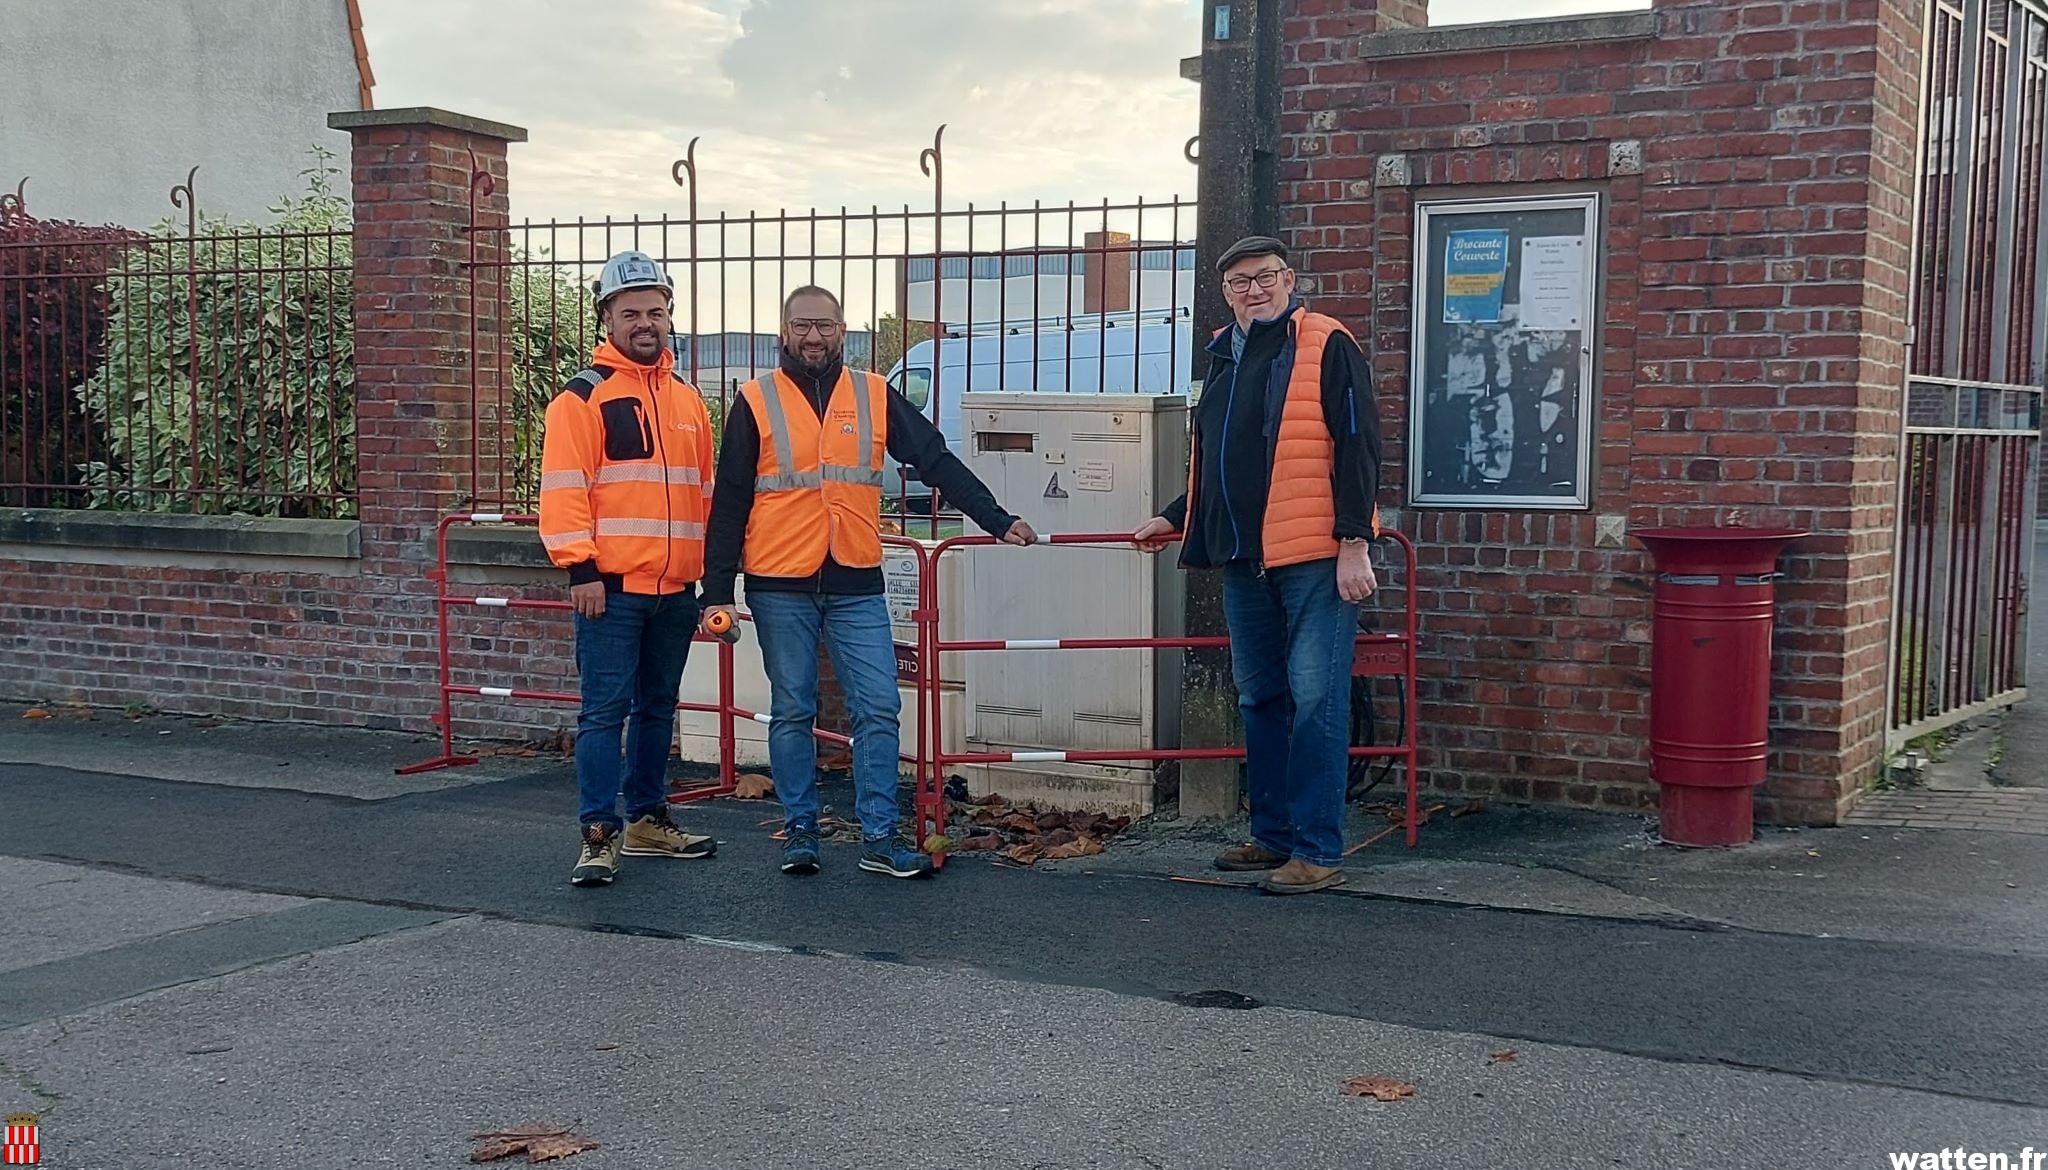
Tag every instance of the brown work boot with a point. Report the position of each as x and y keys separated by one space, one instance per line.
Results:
x=656 y=834
x=597 y=862
x=1248 y=857
x=1299 y=877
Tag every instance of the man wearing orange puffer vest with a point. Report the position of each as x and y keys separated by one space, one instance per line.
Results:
x=1284 y=463
x=626 y=468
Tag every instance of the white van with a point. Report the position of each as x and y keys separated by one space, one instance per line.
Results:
x=1118 y=353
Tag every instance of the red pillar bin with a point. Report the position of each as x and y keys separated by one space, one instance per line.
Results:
x=1710 y=676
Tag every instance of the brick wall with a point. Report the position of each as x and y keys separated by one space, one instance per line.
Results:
x=1755 y=164
x=349 y=643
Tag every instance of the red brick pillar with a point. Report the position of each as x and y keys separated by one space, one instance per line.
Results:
x=411 y=185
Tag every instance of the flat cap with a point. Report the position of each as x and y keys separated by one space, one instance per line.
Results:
x=1248 y=247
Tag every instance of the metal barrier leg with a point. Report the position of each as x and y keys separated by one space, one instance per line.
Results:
x=728 y=738
x=447 y=758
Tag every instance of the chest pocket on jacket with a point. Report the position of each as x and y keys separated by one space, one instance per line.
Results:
x=627 y=432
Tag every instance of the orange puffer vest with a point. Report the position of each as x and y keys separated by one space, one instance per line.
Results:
x=1301 y=506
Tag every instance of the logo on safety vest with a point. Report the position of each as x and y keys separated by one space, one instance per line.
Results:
x=845 y=428
x=23 y=1147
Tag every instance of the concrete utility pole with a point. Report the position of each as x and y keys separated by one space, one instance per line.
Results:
x=1239 y=192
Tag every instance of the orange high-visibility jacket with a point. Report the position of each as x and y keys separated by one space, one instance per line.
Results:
x=1301 y=504
x=818 y=483
x=626 y=473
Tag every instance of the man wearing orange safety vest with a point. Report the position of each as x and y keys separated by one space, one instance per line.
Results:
x=798 y=506
x=624 y=491
x=1284 y=463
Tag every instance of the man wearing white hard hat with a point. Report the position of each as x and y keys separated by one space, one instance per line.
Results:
x=626 y=470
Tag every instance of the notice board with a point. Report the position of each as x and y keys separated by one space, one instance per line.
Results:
x=1506 y=308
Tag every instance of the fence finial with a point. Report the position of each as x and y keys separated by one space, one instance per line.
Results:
x=684 y=172
x=1188 y=150
x=183 y=196
x=16 y=202
x=480 y=181
x=932 y=162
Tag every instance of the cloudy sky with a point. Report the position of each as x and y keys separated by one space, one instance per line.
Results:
x=805 y=103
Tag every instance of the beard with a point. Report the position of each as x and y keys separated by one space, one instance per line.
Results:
x=811 y=368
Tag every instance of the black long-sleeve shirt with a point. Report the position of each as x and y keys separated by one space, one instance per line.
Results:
x=1233 y=430
x=913 y=442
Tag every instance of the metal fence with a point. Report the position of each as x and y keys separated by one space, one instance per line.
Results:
x=1073 y=297
x=1969 y=482
x=201 y=371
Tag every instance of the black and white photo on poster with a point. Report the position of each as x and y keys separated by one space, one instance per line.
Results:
x=1502 y=410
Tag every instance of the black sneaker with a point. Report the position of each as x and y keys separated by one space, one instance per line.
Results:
x=890 y=856
x=800 y=851
x=597 y=862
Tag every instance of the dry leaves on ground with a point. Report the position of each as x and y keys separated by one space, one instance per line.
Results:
x=754 y=786
x=1505 y=1056
x=540 y=1143
x=1378 y=1088
x=1027 y=835
x=36 y=713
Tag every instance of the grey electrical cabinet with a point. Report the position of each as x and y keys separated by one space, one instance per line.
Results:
x=1074 y=463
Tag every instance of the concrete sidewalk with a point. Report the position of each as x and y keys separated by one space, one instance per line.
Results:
x=224 y=960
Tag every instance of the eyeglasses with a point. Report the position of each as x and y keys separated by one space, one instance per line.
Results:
x=1266 y=279
x=823 y=328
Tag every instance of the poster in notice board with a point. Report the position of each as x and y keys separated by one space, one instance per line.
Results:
x=1503 y=353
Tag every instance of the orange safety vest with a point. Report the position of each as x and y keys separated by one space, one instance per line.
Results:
x=1301 y=503
x=817 y=483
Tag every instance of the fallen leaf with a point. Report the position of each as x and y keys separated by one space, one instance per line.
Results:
x=1813 y=853
x=36 y=713
x=938 y=843
x=979 y=843
x=522 y=1132
x=549 y=1149
x=540 y=1143
x=1505 y=1056
x=1469 y=808
x=1378 y=1088
x=1048 y=821
x=992 y=800
x=1024 y=854
x=1079 y=847
x=1059 y=837
x=754 y=786
x=836 y=760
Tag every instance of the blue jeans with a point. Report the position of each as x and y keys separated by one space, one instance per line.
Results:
x=856 y=633
x=631 y=663
x=1290 y=650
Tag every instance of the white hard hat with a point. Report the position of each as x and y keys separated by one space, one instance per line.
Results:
x=631 y=270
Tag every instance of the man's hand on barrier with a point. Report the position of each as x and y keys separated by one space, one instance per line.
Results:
x=588 y=598
x=1355 y=579
x=1153 y=535
x=705 y=623
x=1020 y=533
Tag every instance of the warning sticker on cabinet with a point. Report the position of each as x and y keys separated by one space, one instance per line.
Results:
x=1093 y=475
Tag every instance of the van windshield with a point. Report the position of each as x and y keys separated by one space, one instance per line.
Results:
x=915 y=384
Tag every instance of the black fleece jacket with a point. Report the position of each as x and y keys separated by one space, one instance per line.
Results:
x=1234 y=426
